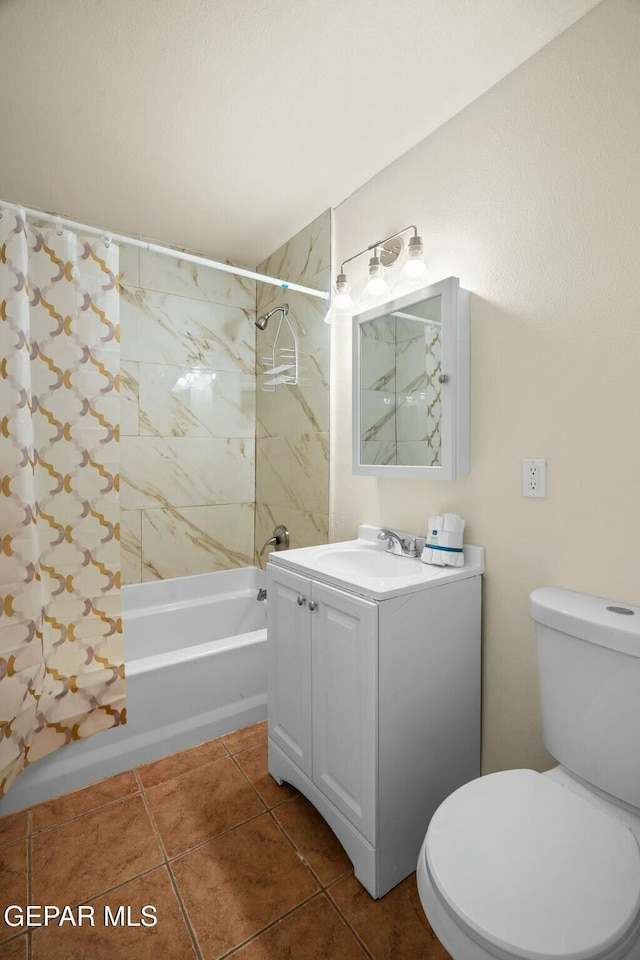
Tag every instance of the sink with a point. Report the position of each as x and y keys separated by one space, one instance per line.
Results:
x=364 y=567
x=362 y=560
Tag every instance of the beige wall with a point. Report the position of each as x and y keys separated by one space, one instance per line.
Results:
x=187 y=417
x=532 y=197
x=292 y=426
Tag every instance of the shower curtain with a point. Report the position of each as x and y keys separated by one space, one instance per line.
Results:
x=61 y=652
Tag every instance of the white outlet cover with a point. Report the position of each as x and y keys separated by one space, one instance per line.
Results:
x=534 y=478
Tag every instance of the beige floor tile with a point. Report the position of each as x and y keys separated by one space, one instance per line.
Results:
x=168 y=939
x=71 y=805
x=82 y=859
x=13 y=827
x=254 y=762
x=314 y=839
x=239 y=883
x=13 y=883
x=393 y=928
x=246 y=738
x=16 y=950
x=313 y=932
x=201 y=804
x=178 y=763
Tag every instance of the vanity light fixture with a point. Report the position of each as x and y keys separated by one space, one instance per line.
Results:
x=385 y=254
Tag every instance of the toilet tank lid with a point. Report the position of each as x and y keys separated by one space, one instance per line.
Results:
x=605 y=622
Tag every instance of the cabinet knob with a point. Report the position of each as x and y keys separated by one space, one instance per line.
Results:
x=301 y=601
x=312 y=605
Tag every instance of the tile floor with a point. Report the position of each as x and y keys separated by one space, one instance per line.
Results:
x=235 y=865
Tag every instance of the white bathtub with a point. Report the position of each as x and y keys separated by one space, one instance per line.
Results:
x=196 y=668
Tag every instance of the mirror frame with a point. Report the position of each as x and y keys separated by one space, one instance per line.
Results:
x=455 y=390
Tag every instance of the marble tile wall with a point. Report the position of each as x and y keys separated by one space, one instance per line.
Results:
x=188 y=414
x=292 y=428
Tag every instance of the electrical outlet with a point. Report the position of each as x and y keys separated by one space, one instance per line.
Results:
x=534 y=478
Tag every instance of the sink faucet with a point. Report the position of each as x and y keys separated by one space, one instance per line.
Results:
x=397 y=545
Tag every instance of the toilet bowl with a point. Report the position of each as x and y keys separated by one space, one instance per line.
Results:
x=547 y=866
x=515 y=865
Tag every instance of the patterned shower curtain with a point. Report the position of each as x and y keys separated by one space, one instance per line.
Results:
x=61 y=652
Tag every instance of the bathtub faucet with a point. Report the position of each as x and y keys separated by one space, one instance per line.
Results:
x=278 y=539
x=262 y=594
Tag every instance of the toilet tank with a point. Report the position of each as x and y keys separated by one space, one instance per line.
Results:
x=589 y=668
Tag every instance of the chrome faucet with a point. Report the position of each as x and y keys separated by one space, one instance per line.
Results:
x=397 y=545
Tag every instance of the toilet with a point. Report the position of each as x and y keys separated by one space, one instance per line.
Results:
x=521 y=864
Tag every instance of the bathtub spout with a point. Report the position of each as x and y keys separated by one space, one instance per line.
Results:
x=262 y=594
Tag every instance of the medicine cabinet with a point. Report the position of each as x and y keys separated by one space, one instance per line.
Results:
x=411 y=385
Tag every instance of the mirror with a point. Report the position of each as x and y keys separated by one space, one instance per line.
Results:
x=411 y=385
x=400 y=404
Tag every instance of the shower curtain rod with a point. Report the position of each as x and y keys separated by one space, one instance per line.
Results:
x=166 y=251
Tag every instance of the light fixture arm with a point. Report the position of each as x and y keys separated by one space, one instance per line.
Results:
x=378 y=243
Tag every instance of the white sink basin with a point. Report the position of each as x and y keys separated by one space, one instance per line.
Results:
x=364 y=567
x=362 y=560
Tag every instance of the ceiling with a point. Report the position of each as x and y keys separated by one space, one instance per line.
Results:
x=224 y=126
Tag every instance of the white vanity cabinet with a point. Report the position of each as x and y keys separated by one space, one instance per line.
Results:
x=373 y=704
x=322 y=690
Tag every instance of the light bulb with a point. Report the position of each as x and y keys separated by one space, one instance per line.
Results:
x=342 y=301
x=415 y=269
x=376 y=286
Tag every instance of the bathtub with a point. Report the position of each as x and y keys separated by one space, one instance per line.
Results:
x=196 y=668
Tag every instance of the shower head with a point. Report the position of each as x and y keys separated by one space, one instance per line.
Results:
x=262 y=322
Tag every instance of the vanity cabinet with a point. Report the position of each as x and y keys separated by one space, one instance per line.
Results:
x=322 y=690
x=373 y=707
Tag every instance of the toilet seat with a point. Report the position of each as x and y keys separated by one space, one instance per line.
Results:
x=528 y=869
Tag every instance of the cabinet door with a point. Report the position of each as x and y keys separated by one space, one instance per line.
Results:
x=289 y=648
x=344 y=669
